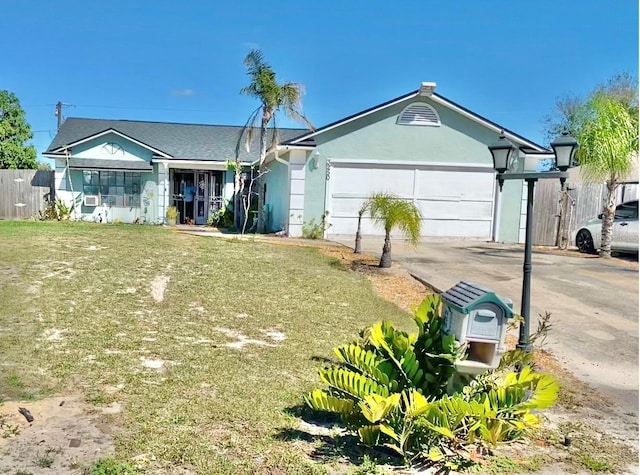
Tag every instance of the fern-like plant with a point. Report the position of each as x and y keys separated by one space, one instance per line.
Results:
x=392 y=389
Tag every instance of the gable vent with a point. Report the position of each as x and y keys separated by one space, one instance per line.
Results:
x=419 y=113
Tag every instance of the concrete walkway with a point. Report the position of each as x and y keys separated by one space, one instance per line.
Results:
x=594 y=302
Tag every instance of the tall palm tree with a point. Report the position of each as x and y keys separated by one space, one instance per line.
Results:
x=274 y=98
x=390 y=212
x=608 y=138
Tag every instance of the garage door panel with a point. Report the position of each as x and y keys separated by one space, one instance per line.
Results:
x=440 y=209
x=453 y=203
x=364 y=181
x=346 y=206
x=463 y=185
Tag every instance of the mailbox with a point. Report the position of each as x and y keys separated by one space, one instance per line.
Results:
x=478 y=317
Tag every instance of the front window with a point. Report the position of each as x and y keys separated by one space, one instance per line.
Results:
x=113 y=187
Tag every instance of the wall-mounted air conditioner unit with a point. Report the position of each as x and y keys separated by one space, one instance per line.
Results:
x=91 y=200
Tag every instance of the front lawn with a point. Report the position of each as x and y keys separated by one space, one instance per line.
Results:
x=206 y=344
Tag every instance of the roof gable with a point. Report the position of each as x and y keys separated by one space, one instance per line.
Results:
x=82 y=140
x=438 y=99
x=165 y=139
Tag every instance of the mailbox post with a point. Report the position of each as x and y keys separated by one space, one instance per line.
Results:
x=476 y=316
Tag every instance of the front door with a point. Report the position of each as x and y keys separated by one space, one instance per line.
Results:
x=201 y=202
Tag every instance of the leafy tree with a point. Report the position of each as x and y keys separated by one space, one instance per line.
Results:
x=14 y=132
x=606 y=127
x=391 y=212
x=274 y=98
x=570 y=109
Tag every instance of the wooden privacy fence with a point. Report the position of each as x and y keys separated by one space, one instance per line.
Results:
x=25 y=192
x=558 y=214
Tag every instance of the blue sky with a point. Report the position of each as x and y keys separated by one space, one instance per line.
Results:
x=182 y=61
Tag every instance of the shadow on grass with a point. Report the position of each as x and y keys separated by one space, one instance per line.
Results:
x=322 y=359
x=331 y=443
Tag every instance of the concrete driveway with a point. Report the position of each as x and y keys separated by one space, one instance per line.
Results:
x=594 y=302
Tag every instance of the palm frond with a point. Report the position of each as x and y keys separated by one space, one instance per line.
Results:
x=247 y=131
x=254 y=62
x=608 y=139
x=391 y=212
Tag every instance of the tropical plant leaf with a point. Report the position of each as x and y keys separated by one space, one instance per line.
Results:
x=365 y=361
x=352 y=383
x=369 y=435
x=375 y=408
x=321 y=401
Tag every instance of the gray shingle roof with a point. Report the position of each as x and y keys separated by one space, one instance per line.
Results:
x=97 y=164
x=181 y=141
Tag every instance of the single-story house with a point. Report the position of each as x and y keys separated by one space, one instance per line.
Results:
x=420 y=146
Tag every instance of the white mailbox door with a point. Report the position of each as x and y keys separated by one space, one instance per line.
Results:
x=485 y=324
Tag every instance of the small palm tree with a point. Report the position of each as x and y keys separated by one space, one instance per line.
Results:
x=363 y=209
x=391 y=212
x=608 y=138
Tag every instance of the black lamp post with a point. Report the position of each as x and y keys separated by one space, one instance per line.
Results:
x=504 y=157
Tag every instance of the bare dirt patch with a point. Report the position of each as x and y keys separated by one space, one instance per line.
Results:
x=394 y=284
x=158 y=286
x=65 y=436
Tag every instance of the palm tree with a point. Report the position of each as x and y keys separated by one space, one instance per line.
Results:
x=608 y=138
x=391 y=212
x=274 y=98
x=363 y=209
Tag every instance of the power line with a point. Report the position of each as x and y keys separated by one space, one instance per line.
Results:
x=175 y=109
x=145 y=108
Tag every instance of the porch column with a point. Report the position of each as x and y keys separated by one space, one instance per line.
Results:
x=297 y=169
x=163 y=191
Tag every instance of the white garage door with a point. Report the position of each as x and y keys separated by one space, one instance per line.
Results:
x=456 y=201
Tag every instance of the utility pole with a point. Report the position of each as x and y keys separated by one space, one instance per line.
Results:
x=59 y=107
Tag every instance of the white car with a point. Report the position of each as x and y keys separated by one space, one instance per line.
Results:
x=625 y=231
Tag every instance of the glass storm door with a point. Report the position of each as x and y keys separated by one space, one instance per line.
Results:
x=201 y=201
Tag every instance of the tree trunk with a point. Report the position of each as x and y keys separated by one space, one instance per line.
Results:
x=266 y=117
x=358 y=248
x=607 y=219
x=385 y=258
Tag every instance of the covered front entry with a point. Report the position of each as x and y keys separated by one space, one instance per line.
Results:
x=455 y=200
x=196 y=194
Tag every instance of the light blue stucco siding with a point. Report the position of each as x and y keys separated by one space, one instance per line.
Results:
x=277 y=198
x=70 y=182
x=147 y=212
x=377 y=137
x=129 y=150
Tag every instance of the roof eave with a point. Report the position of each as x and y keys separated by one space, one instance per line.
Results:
x=438 y=99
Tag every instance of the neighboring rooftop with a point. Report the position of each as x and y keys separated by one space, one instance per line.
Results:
x=180 y=141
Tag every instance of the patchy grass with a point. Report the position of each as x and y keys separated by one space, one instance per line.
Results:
x=503 y=464
x=203 y=345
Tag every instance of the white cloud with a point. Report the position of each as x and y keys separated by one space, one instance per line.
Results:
x=183 y=92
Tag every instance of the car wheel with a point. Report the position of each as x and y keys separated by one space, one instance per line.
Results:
x=584 y=241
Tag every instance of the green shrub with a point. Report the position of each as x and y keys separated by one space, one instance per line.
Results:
x=172 y=212
x=50 y=212
x=394 y=389
x=63 y=211
x=223 y=218
x=313 y=230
